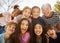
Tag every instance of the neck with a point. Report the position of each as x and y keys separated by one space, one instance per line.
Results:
x=38 y=37
x=22 y=34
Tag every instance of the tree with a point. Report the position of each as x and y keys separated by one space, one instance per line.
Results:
x=9 y=4
x=57 y=7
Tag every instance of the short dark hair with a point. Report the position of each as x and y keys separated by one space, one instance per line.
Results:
x=1 y=15
x=49 y=27
x=35 y=7
x=16 y=6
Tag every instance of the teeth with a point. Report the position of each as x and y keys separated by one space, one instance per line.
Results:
x=38 y=32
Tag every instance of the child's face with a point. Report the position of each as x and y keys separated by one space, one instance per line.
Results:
x=10 y=29
x=27 y=13
x=46 y=11
x=36 y=12
x=38 y=29
x=24 y=26
x=51 y=33
x=15 y=13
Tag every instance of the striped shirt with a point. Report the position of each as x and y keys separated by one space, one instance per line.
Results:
x=52 y=20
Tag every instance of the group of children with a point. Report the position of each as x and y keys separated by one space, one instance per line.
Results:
x=27 y=26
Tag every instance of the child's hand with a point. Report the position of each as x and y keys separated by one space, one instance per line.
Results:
x=52 y=34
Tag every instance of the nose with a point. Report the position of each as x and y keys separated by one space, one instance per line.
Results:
x=24 y=26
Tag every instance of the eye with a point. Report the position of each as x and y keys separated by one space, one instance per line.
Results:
x=26 y=11
x=22 y=23
x=26 y=24
x=13 y=27
x=10 y=26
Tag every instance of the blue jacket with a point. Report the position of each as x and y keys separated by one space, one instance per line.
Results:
x=2 y=38
x=2 y=29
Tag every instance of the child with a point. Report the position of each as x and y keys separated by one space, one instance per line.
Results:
x=12 y=17
x=51 y=34
x=24 y=31
x=16 y=12
x=8 y=35
x=26 y=13
x=39 y=36
x=36 y=15
x=49 y=16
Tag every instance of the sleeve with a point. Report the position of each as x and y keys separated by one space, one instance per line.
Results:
x=1 y=38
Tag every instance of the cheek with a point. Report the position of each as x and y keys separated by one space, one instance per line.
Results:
x=45 y=12
x=26 y=27
x=54 y=31
x=33 y=12
x=23 y=13
x=29 y=14
x=48 y=32
x=7 y=29
x=21 y=26
x=13 y=30
x=41 y=30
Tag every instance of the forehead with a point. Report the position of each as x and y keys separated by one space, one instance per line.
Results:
x=27 y=9
x=38 y=25
x=51 y=30
x=36 y=9
x=24 y=21
x=46 y=7
x=11 y=25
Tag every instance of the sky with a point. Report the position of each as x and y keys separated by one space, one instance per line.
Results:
x=23 y=3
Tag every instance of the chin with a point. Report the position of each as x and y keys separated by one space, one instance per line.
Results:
x=10 y=33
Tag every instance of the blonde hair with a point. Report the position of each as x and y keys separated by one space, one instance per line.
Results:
x=26 y=8
x=11 y=23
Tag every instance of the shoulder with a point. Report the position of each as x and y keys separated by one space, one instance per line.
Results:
x=55 y=14
x=2 y=34
x=40 y=18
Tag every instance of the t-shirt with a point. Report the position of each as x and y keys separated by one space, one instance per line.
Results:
x=39 y=19
x=24 y=39
x=39 y=40
x=55 y=40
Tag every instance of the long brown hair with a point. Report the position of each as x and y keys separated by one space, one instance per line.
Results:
x=44 y=40
x=18 y=31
